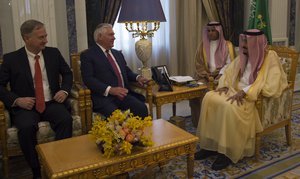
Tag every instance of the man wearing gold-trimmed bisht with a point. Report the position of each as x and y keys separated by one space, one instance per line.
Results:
x=212 y=56
x=229 y=119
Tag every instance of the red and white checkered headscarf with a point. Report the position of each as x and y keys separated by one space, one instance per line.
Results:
x=257 y=45
x=221 y=51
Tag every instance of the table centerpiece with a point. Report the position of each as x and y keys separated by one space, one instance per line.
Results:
x=120 y=133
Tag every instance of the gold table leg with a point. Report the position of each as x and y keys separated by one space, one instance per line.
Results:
x=190 y=165
x=158 y=111
x=174 y=109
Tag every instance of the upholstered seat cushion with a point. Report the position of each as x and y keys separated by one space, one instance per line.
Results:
x=44 y=134
x=275 y=109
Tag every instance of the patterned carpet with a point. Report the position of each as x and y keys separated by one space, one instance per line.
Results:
x=277 y=159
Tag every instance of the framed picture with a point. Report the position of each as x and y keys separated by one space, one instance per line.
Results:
x=162 y=69
x=161 y=76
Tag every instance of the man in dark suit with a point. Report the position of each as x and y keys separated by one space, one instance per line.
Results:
x=40 y=81
x=105 y=72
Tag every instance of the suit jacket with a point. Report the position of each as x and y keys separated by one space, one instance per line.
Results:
x=15 y=70
x=98 y=74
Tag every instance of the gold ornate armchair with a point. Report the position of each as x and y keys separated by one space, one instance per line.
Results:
x=8 y=133
x=89 y=115
x=276 y=112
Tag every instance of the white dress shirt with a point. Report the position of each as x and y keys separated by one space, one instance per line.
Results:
x=212 y=63
x=46 y=87
x=244 y=80
x=119 y=70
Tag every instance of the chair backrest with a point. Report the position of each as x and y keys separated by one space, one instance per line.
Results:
x=289 y=59
x=75 y=66
x=275 y=110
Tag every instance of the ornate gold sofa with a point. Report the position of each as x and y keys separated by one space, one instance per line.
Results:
x=8 y=134
x=276 y=112
x=75 y=64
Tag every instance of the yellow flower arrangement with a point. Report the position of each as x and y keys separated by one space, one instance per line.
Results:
x=120 y=132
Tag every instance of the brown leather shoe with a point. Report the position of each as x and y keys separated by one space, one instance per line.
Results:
x=221 y=162
x=203 y=154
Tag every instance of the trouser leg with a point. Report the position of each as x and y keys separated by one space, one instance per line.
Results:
x=60 y=120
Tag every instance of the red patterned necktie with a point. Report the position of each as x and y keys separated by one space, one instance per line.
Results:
x=39 y=91
x=115 y=68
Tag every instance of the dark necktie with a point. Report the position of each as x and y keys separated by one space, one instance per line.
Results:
x=39 y=91
x=115 y=68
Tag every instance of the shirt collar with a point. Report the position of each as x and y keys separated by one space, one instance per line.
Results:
x=102 y=48
x=214 y=41
x=30 y=54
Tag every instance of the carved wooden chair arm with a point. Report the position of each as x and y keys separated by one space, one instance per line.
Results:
x=3 y=124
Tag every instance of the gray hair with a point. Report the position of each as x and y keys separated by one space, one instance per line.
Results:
x=100 y=29
x=28 y=26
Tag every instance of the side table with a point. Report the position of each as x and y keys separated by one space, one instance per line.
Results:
x=179 y=93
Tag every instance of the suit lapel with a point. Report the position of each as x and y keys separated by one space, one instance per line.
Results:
x=47 y=61
x=25 y=63
x=101 y=54
x=117 y=60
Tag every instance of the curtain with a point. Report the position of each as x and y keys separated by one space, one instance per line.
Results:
x=225 y=9
x=292 y=24
x=175 y=42
x=210 y=9
x=189 y=34
x=1 y=49
x=100 y=11
x=230 y=13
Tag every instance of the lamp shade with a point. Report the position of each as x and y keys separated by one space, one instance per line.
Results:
x=141 y=10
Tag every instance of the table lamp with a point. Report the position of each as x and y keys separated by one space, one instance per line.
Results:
x=142 y=17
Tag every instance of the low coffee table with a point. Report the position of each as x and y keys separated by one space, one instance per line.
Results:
x=79 y=157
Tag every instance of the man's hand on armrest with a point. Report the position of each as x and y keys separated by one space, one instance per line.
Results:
x=119 y=92
x=60 y=96
x=142 y=80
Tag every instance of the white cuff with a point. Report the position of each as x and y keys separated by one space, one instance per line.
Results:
x=107 y=91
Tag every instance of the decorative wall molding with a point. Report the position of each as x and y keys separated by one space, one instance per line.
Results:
x=280 y=41
x=279 y=19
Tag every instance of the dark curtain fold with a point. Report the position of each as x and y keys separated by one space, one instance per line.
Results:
x=231 y=15
x=100 y=11
x=71 y=22
x=1 y=49
x=292 y=24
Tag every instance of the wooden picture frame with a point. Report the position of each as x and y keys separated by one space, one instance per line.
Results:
x=161 y=76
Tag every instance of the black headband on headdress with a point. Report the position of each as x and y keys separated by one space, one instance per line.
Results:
x=253 y=33
x=214 y=24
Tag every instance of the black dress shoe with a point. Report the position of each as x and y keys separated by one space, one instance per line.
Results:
x=36 y=172
x=203 y=154
x=221 y=162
